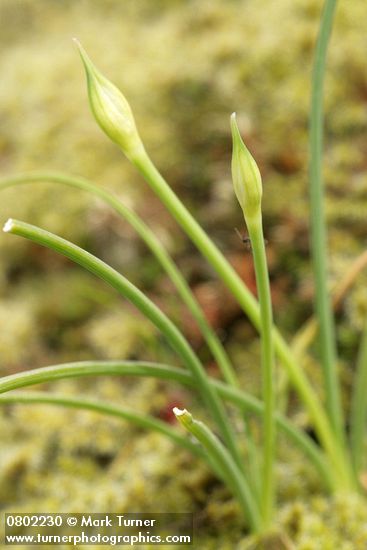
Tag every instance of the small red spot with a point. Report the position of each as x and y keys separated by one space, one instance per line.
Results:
x=166 y=413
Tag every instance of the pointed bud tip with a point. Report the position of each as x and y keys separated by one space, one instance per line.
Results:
x=111 y=109
x=78 y=45
x=85 y=57
x=234 y=128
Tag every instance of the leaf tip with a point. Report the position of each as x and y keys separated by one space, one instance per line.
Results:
x=179 y=412
x=8 y=226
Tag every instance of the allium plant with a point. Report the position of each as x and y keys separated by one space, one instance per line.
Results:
x=249 y=476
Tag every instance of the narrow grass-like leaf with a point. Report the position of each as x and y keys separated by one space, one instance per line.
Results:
x=318 y=228
x=238 y=397
x=214 y=344
x=306 y=334
x=146 y=307
x=78 y=402
x=225 y=463
x=358 y=412
x=153 y=243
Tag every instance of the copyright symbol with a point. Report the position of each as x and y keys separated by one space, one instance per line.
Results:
x=72 y=521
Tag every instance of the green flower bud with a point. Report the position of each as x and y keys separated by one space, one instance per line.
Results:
x=110 y=109
x=246 y=176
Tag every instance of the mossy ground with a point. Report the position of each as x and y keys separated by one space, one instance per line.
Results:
x=184 y=66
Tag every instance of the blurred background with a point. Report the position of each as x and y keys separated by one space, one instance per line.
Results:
x=184 y=66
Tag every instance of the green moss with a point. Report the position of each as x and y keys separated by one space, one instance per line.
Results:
x=184 y=66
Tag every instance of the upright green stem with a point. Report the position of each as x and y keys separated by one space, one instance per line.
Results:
x=267 y=360
x=318 y=229
x=250 y=307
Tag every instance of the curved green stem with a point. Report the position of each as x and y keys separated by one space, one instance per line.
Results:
x=156 y=247
x=238 y=397
x=147 y=308
x=255 y=230
x=318 y=229
x=225 y=463
x=79 y=402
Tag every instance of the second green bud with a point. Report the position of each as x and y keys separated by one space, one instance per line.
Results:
x=246 y=176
